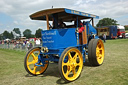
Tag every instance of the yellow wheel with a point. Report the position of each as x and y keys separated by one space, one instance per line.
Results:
x=70 y=64
x=96 y=52
x=29 y=62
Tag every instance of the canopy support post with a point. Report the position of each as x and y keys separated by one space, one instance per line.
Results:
x=47 y=21
x=92 y=22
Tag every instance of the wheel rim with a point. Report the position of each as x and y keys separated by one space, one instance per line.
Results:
x=100 y=52
x=32 y=58
x=72 y=64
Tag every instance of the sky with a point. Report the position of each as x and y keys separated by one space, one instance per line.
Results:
x=15 y=13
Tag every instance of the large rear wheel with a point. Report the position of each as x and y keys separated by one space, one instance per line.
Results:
x=70 y=64
x=96 y=52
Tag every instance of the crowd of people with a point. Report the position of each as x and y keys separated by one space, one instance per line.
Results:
x=17 y=44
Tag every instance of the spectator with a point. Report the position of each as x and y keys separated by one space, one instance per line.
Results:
x=0 y=42
x=104 y=37
x=23 y=46
x=25 y=42
x=17 y=44
x=5 y=43
x=38 y=42
x=28 y=44
x=14 y=46
x=8 y=42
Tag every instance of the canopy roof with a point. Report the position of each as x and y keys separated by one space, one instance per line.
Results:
x=62 y=13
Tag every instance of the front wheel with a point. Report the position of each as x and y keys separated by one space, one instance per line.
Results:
x=70 y=64
x=31 y=59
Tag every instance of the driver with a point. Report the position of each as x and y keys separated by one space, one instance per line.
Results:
x=61 y=24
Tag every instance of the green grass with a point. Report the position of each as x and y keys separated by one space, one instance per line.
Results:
x=114 y=70
x=126 y=31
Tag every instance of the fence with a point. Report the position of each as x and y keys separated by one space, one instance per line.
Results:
x=19 y=47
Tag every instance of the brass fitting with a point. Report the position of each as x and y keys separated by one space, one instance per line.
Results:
x=44 y=50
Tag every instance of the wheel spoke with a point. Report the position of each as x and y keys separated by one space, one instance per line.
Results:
x=99 y=45
x=74 y=70
x=34 y=70
x=101 y=48
x=75 y=57
x=69 y=56
x=100 y=56
x=97 y=53
x=34 y=57
x=97 y=48
x=28 y=63
x=68 y=71
x=66 y=64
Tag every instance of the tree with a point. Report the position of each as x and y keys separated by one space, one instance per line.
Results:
x=126 y=27
x=106 y=22
x=1 y=37
x=27 y=33
x=6 y=34
x=17 y=30
x=11 y=35
x=32 y=35
x=38 y=33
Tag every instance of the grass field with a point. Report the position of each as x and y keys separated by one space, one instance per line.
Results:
x=126 y=31
x=114 y=70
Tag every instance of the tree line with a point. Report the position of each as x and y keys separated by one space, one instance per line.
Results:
x=16 y=31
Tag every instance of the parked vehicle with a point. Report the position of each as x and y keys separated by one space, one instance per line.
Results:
x=112 y=32
x=109 y=31
x=65 y=44
x=121 y=31
x=32 y=39
x=126 y=35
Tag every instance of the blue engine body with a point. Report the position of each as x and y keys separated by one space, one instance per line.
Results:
x=57 y=40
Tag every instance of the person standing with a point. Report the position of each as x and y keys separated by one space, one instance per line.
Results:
x=5 y=42
x=28 y=44
x=104 y=37
x=23 y=46
x=38 y=42
x=8 y=42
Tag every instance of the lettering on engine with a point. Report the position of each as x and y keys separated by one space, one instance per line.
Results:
x=47 y=37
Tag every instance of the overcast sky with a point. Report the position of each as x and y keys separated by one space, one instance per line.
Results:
x=15 y=13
